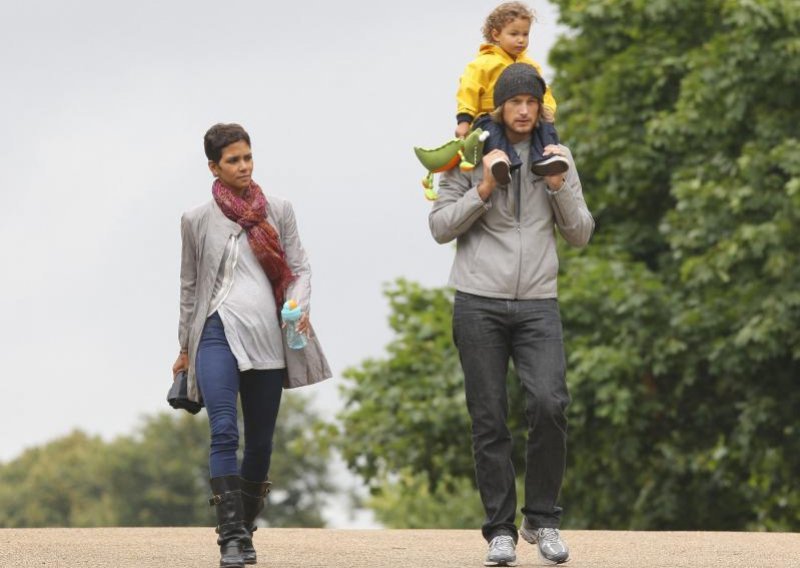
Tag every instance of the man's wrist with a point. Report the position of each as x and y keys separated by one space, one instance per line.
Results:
x=560 y=185
x=485 y=189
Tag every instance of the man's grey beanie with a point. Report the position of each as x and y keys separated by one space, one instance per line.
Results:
x=518 y=79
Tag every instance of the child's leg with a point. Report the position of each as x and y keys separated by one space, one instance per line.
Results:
x=496 y=139
x=544 y=135
x=549 y=134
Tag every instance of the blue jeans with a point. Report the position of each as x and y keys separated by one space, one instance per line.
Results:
x=488 y=332
x=221 y=383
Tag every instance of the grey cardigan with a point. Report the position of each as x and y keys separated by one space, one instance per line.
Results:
x=506 y=246
x=205 y=231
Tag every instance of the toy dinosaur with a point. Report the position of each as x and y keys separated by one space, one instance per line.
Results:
x=462 y=152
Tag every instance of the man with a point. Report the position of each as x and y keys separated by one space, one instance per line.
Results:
x=506 y=305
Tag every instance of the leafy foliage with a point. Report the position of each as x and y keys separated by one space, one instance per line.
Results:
x=682 y=318
x=689 y=133
x=159 y=476
x=405 y=424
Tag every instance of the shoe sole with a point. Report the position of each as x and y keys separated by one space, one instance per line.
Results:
x=549 y=562
x=501 y=172
x=502 y=563
x=552 y=167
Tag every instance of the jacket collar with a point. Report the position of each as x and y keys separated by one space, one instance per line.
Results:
x=492 y=49
x=219 y=222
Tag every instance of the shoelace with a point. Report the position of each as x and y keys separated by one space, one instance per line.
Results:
x=549 y=535
x=504 y=543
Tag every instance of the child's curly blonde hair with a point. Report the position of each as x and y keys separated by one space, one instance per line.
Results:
x=503 y=15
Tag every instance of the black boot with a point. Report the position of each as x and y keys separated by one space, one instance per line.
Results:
x=230 y=516
x=253 y=494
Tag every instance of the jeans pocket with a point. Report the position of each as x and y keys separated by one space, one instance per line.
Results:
x=471 y=315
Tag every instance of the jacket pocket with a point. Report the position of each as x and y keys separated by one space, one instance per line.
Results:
x=475 y=254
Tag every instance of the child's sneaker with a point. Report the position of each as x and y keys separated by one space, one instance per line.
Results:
x=550 y=165
x=501 y=171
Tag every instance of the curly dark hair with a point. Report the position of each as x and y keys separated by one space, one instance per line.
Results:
x=221 y=135
x=503 y=15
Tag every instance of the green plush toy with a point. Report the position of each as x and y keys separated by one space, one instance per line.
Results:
x=462 y=152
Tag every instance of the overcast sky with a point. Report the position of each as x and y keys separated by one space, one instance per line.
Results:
x=103 y=109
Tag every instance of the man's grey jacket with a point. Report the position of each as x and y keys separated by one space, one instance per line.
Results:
x=506 y=246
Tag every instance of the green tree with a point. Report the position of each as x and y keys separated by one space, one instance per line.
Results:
x=61 y=483
x=684 y=117
x=158 y=476
x=163 y=470
x=406 y=430
x=300 y=467
x=405 y=425
x=682 y=317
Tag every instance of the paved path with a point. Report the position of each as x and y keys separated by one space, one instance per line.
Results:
x=321 y=548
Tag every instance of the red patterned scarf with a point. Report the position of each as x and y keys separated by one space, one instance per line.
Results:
x=250 y=211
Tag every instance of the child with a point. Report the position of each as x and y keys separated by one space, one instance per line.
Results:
x=506 y=32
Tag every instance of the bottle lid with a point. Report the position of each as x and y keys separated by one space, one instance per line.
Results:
x=291 y=310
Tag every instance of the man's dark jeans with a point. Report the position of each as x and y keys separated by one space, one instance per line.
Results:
x=488 y=332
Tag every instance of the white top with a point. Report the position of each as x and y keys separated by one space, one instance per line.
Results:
x=244 y=300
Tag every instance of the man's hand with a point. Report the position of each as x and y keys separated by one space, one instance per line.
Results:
x=488 y=183
x=462 y=129
x=181 y=363
x=555 y=181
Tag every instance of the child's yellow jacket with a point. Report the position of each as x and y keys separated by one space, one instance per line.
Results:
x=477 y=83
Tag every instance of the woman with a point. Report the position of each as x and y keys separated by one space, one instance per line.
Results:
x=241 y=259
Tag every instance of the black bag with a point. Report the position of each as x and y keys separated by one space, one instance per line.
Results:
x=177 y=397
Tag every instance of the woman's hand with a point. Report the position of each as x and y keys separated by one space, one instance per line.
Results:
x=181 y=363
x=303 y=325
x=462 y=129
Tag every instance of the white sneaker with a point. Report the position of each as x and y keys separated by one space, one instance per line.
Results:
x=551 y=548
x=501 y=552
